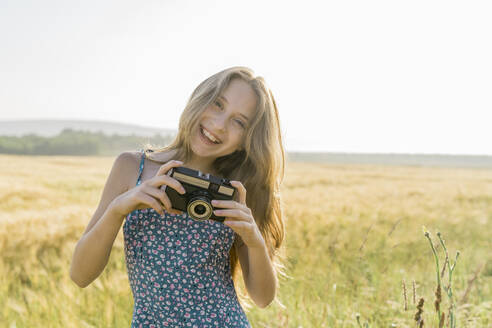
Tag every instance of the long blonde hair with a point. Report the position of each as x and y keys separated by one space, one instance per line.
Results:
x=259 y=166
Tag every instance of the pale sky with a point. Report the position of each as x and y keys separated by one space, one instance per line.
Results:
x=348 y=76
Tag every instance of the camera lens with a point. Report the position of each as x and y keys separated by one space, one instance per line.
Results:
x=199 y=208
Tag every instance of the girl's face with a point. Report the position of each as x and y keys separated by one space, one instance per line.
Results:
x=222 y=125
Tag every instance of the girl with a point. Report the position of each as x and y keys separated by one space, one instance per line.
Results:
x=181 y=270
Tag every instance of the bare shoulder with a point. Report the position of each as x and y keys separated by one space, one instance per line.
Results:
x=123 y=173
x=125 y=167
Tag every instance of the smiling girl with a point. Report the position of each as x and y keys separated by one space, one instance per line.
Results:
x=182 y=271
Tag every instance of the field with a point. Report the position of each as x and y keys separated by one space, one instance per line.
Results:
x=354 y=233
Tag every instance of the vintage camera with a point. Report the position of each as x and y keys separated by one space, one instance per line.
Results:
x=200 y=190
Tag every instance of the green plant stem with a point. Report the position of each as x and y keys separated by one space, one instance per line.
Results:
x=449 y=290
x=427 y=235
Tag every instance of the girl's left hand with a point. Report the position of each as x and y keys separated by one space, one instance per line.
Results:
x=239 y=217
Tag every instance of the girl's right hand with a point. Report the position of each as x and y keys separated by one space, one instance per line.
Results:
x=149 y=193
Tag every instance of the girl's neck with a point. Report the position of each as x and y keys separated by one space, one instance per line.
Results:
x=204 y=166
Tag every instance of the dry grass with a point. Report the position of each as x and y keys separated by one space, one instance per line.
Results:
x=354 y=232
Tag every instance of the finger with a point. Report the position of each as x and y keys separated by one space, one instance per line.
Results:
x=233 y=214
x=164 y=180
x=237 y=225
x=167 y=166
x=241 y=190
x=161 y=196
x=226 y=203
x=151 y=202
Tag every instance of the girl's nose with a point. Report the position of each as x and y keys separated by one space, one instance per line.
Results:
x=219 y=124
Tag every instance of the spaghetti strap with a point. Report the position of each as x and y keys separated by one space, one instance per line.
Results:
x=141 y=167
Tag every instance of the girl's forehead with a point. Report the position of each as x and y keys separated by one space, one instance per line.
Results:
x=240 y=96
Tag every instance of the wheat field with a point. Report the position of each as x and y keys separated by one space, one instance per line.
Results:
x=354 y=233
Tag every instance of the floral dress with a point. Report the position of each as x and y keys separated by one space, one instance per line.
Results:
x=179 y=270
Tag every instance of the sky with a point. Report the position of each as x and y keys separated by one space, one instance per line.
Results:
x=347 y=76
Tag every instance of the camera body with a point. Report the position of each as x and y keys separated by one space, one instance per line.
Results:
x=200 y=190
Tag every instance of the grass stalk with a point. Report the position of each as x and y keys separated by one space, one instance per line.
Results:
x=449 y=289
x=438 y=289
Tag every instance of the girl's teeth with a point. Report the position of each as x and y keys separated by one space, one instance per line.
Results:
x=209 y=136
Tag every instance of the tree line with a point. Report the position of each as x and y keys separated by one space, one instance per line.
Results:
x=73 y=142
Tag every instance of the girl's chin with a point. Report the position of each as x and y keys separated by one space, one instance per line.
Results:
x=206 y=152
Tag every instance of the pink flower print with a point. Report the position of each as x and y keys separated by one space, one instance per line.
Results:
x=161 y=298
x=160 y=247
x=178 y=242
x=187 y=315
x=171 y=286
x=156 y=285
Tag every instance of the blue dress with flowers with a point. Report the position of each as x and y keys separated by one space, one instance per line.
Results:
x=179 y=270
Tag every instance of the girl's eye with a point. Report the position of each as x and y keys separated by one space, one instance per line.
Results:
x=240 y=123
x=218 y=104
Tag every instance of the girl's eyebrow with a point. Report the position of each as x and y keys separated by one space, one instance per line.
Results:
x=225 y=99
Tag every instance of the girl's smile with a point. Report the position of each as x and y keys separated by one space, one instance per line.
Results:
x=208 y=137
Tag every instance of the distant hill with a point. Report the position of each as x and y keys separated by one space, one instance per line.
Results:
x=70 y=141
x=50 y=128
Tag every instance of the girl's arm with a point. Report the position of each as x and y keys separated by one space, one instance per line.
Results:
x=92 y=251
x=258 y=272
